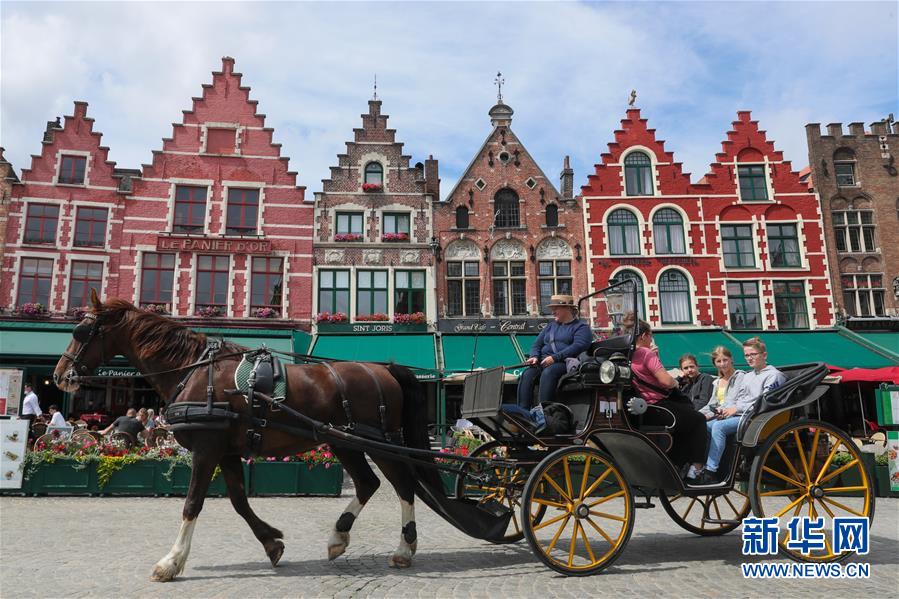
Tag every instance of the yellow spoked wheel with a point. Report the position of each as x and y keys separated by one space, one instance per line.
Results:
x=505 y=486
x=810 y=468
x=732 y=505
x=589 y=511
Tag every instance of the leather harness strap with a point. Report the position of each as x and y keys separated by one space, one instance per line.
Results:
x=350 y=424
x=382 y=407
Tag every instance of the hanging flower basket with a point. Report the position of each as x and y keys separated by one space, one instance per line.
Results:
x=372 y=187
x=209 y=311
x=266 y=313
x=348 y=237
x=376 y=317
x=395 y=237
x=161 y=309
x=33 y=310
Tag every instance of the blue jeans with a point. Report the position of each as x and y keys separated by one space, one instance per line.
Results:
x=549 y=378
x=719 y=431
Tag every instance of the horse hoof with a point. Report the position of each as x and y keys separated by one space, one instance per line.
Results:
x=335 y=551
x=162 y=574
x=275 y=553
x=399 y=561
x=337 y=544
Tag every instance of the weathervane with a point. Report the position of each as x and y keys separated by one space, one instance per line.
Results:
x=499 y=87
x=633 y=98
x=375 y=96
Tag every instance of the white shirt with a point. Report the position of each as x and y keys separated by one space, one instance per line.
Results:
x=31 y=405
x=57 y=420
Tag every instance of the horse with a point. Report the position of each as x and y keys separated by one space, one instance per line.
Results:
x=156 y=344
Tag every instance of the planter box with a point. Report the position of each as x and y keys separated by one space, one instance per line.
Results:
x=62 y=477
x=180 y=482
x=295 y=478
x=138 y=478
x=449 y=483
x=882 y=481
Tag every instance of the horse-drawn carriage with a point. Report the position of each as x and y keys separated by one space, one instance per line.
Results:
x=572 y=492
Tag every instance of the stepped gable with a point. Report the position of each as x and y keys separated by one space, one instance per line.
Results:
x=75 y=134
x=225 y=105
x=608 y=180
x=747 y=143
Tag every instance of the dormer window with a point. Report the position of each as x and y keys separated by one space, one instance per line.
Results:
x=71 y=170
x=374 y=173
x=638 y=174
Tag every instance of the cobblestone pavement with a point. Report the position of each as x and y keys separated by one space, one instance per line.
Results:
x=106 y=547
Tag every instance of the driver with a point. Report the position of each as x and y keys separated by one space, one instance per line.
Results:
x=565 y=337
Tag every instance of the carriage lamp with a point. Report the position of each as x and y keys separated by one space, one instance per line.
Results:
x=609 y=372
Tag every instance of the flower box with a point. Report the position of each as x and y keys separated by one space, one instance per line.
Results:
x=161 y=309
x=377 y=317
x=395 y=237
x=62 y=477
x=330 y=318
x=138 y=478
x=32 y=310
x=209 y=312
x=416 y=318
x=295 y=478
x=882 y=481
x=371 y=187
x=179 y=483
x=449 y=482
x=348 y=237
x=266 y=313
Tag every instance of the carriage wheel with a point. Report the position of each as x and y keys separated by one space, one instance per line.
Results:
x=795 y=474
x=507 y=491
x=688 y=511
x=589 y=511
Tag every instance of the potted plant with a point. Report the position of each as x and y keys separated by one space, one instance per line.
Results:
x=330 y=317
x=348 y=237
x=371 y=187
x=315 y=472
x=266 y=313
x=209 y=311
x=395 y=237
x=376 y=317
x=161 y=309
x=33 y=310
x=413 y=321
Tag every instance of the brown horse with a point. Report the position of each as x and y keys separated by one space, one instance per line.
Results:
x=155 y=344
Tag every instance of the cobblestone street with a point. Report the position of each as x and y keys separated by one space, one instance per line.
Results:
x=106 y=547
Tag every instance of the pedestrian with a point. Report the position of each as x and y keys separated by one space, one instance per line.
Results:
x=56 y=417
x=694 y=384
x=151 y=419
x=31 y=406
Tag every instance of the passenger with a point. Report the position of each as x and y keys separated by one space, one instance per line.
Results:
x=694 y=384
x=652 y=380
x=566 y=337
x=741 y=392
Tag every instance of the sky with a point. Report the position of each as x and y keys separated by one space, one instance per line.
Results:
x=568 y=69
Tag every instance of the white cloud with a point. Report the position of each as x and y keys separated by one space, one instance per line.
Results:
x=568 y=68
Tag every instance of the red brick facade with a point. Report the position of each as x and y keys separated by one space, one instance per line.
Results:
x=742 y=248
x=220 y=156
x=517 y=224
x=373 y=228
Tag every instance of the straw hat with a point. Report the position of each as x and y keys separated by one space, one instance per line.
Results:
x=562 y=301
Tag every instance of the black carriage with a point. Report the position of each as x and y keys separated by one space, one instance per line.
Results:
x=574 y=493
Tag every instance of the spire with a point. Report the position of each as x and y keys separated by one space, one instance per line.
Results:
x=501 y=114
x=375 y=95
x=498 y=82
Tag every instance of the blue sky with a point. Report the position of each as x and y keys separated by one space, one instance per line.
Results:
x=568 y=68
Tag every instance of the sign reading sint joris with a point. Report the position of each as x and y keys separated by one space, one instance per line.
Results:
x=218 y=245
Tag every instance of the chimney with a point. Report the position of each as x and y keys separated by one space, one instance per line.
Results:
x=566 y=179
x=432 y=178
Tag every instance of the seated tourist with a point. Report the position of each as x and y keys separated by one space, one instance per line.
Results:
x=696 y=385
x=740 y=392
x=128 y=423
x=565 y=337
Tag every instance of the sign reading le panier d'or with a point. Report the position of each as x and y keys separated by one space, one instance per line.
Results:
x=215 y=245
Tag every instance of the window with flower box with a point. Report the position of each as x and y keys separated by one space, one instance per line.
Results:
x=371 y=292
x=854 y=230
x=40 y=223
x=266 y=283
x=334 y=291
x=243 y=211
x=753 y=183
x=83 y=277
x=396 y=226
x=554 y=279
x=348 y=226
x=409 y=292
x=157 y=279
x=790 y=304
x=374 y=173
x=863 y=294
x=71 y=170
x=509 y=298
x=783 y=245
x=213 y=282
x=737 y=246
x=90 y=227
x=743 y=305
x=35 y=280
x=463 y=284
x=190 y=209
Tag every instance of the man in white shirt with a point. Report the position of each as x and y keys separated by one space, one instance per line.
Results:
x=31 y=407
x=56 y=416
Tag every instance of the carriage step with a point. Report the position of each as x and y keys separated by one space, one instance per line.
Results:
x=645 y=505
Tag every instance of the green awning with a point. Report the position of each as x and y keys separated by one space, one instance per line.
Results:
x=674 y=344
x=524 y=343
x=829 y=347
x=279 y=339
x=886 y=341
x=301 y=342
x=36 y=342
x=488 y=351
x=409 y=350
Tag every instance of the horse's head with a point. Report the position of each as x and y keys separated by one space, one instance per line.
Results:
x=91 y=346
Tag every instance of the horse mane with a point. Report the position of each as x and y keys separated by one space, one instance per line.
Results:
x=154 y=335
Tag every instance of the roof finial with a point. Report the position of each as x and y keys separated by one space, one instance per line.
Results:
x=633 y=98
x=375 y=96
x=499 y=87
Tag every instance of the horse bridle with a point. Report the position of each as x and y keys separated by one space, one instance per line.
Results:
x=84 y=333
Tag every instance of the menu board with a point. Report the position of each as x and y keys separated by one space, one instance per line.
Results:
x=10 y=391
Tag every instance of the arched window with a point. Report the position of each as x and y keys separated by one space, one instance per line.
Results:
x=624 y=233
x=668 y=232
x=552 y=216
x=674 y=297
x=374 y=173
x=638 y=174
x=624 y=275
x=505 y=208
x=461 y=217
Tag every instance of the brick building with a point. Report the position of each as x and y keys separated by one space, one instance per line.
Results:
x=373 y=255
x=855 y=175
x=742 y=248
x=8 y=178
x=508 y=239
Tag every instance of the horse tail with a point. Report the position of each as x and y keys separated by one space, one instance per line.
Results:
x=415 y=410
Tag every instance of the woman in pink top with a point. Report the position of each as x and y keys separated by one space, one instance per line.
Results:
x=650 y=381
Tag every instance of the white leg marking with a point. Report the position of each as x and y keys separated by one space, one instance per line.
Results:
x=402 y=557
x=339 y=541
x=173 y=564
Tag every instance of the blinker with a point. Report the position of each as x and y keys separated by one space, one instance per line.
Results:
x=82 y=333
